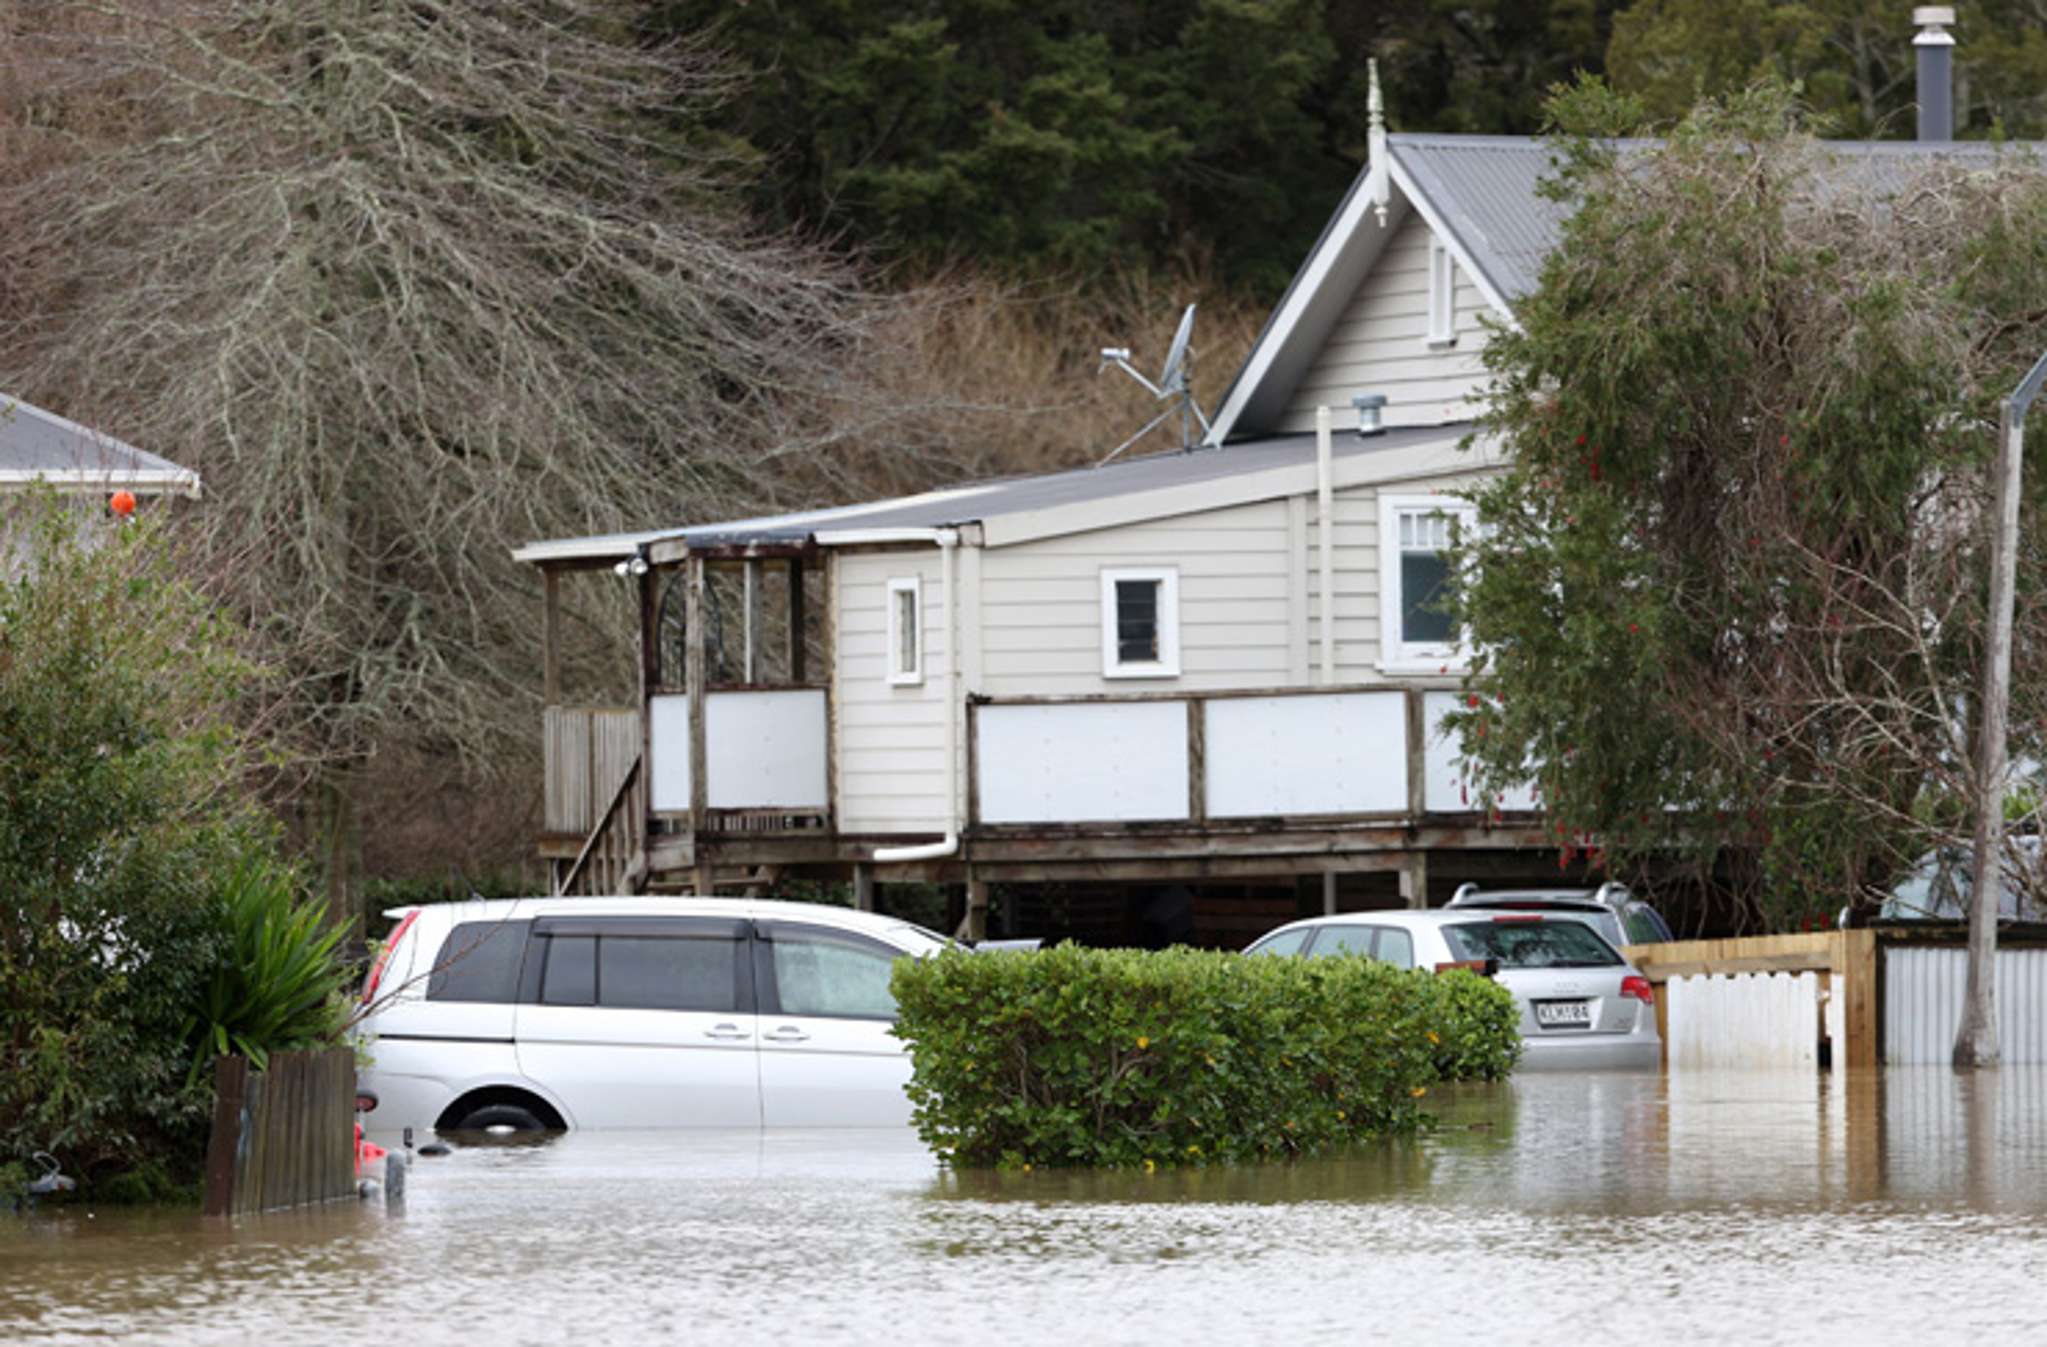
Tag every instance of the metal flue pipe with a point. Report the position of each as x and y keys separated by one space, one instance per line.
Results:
x=1935 y=49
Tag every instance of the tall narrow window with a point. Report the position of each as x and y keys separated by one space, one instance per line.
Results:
x=1141 y=622
x=906 y=630
x=1417 y=631
x=1442 y=294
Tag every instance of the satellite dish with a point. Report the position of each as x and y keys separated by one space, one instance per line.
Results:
x=1173 y=377
x=1175 y=386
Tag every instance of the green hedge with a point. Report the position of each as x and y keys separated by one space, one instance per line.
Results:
x=1074 y=1056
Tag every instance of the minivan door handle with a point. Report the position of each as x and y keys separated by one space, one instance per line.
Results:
x=788 y=1033
x=728 y=1031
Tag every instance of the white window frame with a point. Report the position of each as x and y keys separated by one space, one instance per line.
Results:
x=1397 y=656
x=1442 y=294
x=1167 y=665
x=913 y=585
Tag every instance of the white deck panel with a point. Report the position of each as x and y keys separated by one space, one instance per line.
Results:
x=1335 y=754
x=1086 y=762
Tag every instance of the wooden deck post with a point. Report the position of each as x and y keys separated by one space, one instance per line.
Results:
x=750 y=608
x=696 y=682
x=863 y=887
x=1417 y=753
x=977 y=909
x=1414 y=879
x=1329 y=893
x=798 y=646
x=1197 y=760
x=551 y=637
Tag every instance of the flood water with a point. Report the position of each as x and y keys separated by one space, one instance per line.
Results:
x=1907 y=1207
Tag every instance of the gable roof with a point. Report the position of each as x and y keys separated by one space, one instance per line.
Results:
x=1020 y=509
x=1478 y=194
x=40 y=446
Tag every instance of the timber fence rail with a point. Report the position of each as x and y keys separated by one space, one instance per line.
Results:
x=1845 y=963
x=283 y=1136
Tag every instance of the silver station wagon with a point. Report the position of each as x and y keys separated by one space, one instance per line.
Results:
x=1582 y=1005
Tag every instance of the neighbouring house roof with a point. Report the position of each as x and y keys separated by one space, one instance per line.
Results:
x=40 y=446
x=1478 y=194
x=1128 y=491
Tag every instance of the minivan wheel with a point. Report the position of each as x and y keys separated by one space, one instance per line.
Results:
x=509 y=1117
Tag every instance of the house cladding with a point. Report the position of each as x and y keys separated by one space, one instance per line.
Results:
x=890 y=737
x=1041 y=623
x=1380 y=344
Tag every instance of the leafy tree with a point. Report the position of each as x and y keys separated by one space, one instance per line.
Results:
x=1853 y=59
x=1069 y=135
x=120 y=815
x=1729 y=597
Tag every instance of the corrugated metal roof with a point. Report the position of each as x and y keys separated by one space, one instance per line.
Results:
x=1485 y=188
x=35 y=444
x=980 y=502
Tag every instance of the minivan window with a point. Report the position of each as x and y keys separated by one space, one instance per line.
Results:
x=570 y=977
x=479 y=961
x=636 y=972
x=1531 y=944
x=818 y=973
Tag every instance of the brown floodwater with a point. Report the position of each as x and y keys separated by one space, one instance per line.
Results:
x=1907 y=1207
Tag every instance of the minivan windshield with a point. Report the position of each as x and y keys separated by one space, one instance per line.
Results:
x=1543 y=943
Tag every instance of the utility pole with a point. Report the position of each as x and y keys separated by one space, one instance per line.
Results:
x=1976 y=1038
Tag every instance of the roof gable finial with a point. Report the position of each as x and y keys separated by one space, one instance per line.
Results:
x=1375 y=152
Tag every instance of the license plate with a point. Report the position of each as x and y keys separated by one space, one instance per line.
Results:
x=1563 y=1014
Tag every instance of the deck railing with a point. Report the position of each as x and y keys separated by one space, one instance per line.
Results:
x=1359 y=751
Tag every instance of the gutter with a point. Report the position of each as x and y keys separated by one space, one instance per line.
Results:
x=948 y=540
x=148 y=481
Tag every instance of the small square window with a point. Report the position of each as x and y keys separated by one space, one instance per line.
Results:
x=906 y=630
x=1141 y=622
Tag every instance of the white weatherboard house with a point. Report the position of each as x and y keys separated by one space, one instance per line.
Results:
x=1211 y=665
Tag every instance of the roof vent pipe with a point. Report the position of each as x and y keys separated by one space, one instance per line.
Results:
x=1936 y=49
x=1371 y=409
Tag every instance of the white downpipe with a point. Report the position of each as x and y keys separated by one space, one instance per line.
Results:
x=948 y=543
x=1325 y=530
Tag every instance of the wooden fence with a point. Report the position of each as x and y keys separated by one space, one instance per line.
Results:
x=283 y=1136
x=1844 y=963
x=588 y=751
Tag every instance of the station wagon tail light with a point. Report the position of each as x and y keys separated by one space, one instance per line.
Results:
x=369 y=987
x=1637 y=986
x=1516 y=918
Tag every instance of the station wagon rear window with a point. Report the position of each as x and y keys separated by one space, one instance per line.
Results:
x=1521 y=943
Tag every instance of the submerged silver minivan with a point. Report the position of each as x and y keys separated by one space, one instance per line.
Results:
x=1582 y=1005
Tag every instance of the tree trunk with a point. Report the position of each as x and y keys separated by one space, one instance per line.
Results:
x=341 y=852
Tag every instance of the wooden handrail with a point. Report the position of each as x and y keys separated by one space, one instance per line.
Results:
x=590 y=843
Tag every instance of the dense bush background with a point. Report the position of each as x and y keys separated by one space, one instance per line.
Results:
x=1074 y=1056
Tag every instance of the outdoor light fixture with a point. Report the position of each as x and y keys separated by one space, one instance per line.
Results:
x=634 y=565
x=1371 y=413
